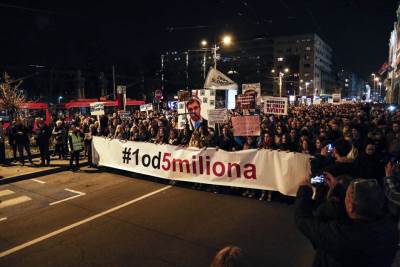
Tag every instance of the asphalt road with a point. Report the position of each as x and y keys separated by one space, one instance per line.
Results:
x=96 y=218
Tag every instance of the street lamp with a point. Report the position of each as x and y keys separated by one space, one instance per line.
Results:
x=307 y=84
x=281 y=74
x=226 y=40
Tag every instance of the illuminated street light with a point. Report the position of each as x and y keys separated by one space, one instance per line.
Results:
x=227 y=40
x=281 y=74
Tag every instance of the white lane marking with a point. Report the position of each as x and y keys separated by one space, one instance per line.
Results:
x=14 y=201
x=3 y=219
x=6 y=192
x=79 y=194
x=79 y=223
x=38 y=181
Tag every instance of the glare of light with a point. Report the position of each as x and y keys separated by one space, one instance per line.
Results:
x=227 y=40
x=391 y=108
x=286 y=70
x=272 y=71
x=376 y=79
x=280 y=59
x=204 y=43
x=301 y=81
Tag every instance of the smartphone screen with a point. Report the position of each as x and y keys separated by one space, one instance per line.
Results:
x=319 y=179
x=330 y=148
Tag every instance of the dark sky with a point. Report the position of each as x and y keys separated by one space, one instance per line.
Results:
x=94 y=35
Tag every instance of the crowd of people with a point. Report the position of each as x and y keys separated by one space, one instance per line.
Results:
x=355 y=148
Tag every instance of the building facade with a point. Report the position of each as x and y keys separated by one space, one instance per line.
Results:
x=392 y=81
x=309 y=60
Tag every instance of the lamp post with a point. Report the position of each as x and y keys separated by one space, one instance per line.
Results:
x=307 y=84
x=280 y=77
x=226 y=41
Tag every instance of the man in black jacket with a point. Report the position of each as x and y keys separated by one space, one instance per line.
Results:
x=43 y=134
x=367 y=239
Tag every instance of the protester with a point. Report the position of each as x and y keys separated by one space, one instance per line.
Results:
x=368 y=238
x=43 y=135
x=59 y=140
x=75 y=147
x=20 y=136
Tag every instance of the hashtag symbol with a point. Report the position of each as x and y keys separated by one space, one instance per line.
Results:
x=126 y=155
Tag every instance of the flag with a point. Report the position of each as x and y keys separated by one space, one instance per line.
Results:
x=218 y=81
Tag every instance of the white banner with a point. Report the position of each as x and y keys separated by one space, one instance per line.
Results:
x=97 y=108
x=275 y=105
x=219 y=81
x=258 y=169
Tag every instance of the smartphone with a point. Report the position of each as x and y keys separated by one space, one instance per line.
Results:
x=330 y=148
x=318 y=179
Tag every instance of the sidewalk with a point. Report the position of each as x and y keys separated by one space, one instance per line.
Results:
x=15 y=171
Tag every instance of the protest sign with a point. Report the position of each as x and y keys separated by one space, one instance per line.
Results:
x=217 y=116
x=246 y=125
x=97 y=108
x=245 y=102
x=124 y=114
x=146 y=107
x=275 y=105
x=254 y=89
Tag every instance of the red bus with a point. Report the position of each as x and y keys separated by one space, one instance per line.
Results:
x=31 y=110
x=82 y=106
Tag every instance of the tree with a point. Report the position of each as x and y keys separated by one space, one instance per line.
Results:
x=11 y=97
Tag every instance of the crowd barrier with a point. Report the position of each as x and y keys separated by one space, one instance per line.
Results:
x=256 y=169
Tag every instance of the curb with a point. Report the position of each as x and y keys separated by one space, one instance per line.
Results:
x=31 y=175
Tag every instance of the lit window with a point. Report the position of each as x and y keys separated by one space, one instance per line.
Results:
x=280 y=59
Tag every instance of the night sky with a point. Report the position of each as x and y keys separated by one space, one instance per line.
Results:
x=93 y=35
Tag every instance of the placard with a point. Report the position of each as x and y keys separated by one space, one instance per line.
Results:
x=97 y=108
x=217 y=116
x=275 y=105
x=245 y=102
x=252 y=88
x=246 y=126
x=146 y=107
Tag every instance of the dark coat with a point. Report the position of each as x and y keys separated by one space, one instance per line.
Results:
x=352 y=243
x=43 y=135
